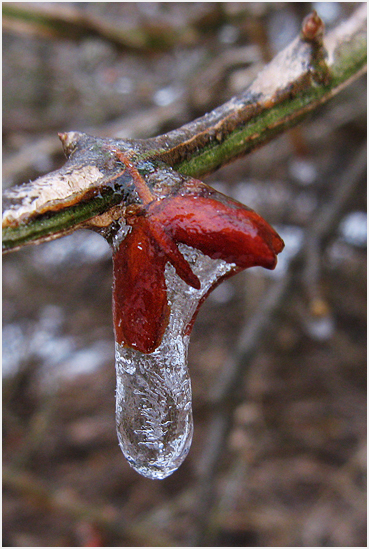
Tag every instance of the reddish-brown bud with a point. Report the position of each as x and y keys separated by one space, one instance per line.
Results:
x=216 y=225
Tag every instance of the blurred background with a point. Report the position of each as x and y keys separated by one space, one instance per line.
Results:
x=282 y=462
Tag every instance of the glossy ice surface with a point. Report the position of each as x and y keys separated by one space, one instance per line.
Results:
x=153 y=396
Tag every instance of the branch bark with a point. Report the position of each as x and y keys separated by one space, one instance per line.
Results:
x=93 y=185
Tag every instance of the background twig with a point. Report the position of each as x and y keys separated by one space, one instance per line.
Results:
x=249 y=344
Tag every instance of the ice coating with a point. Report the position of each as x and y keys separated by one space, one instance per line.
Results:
x=201 y=218
x=153 y=395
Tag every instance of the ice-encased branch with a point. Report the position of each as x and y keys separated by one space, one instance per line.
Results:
x=300 y=78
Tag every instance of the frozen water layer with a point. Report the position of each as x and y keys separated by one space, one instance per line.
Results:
x=153 y=395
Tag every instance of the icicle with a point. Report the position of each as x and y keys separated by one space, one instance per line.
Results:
x=153 y=396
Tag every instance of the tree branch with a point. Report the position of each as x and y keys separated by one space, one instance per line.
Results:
x=94 y=182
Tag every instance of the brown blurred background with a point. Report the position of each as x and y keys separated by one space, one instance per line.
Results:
x=291 y=468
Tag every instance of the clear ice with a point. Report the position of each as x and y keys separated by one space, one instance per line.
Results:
x=153 y=396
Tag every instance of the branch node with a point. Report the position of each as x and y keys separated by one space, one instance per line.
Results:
x=313 y=28
x=312 y=32
x=69 y=141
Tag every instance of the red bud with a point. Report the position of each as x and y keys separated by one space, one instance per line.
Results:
x=201 y=218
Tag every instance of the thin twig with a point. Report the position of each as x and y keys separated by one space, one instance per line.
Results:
x=236 y=367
